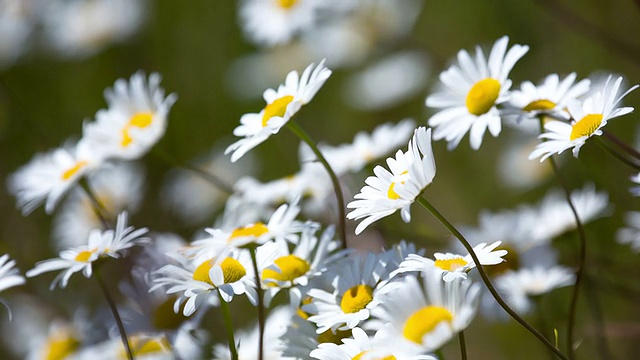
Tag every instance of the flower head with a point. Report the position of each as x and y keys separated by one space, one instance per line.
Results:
x=410 y=173
x=9 y=275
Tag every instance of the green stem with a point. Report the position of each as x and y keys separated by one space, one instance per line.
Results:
x=261 y=308
x=485 y=278
x=209 y=177
x=98 y=208
x=617 y=155
x=116 y=316
x=621 y=144
x=541 y=320
x=300 y=133
x=594 y=303
x=229 y=325
x=463 y=346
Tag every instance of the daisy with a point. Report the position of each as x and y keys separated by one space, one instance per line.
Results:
x=635 y=191
x=453 y=266
x=550 y=98
x=387 y=191
x=274 y=22
x=422 y=319
x=301 y=338
x=109 y=243
x=472 y=91
x=135 y=119
x=49 y=176
x=519 y=286
x=631 y=233
x=588 y=118
x=282 y=104
x=9 y=275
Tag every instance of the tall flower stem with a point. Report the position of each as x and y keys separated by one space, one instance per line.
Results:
x=98 y=208
x=300 y=133
x=226 y=313
x=116 y=316
x=463 y=346
x=617 y=155
x=621 y=144
x=485 y=278
x=261 y=308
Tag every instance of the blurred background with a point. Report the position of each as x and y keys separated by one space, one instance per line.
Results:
x=57 y=57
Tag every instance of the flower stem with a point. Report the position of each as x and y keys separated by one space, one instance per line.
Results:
x=98 y=208
x=485 y=278
x=463 y=346
x=229 y=325
x=300 y=133
x=116 y=316
x=621 y=144
x=261 y=309
x=617 y=155
x=207 y=176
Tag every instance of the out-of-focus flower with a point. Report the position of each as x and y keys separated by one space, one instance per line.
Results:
x=9 y=275
x=630 y=234
x=16 y=25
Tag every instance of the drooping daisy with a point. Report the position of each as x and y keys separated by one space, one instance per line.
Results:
x=551 y=97
x=518 y=286
x=471 y=92
x=423 y=318
x=49 y=176
x=454 y=266
x=630 y=234
x=109 y=243
x=135 y=119
x=282 y=104
x=588 y=118
x=387 y=191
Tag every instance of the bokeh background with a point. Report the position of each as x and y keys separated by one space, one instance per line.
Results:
x=199 y=48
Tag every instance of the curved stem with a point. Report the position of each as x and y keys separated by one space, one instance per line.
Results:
x=226 y=313
x=621 y=144
x=116 y=316
x=485 y=278
x=463 y=346
x=300 y=133
x=98 y=208
x=617 y=155
x=207 y=176
x=261 y=309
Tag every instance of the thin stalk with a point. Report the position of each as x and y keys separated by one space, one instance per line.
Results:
x=594 y=303
x=205 y=175
x=463 y=346
x=541 y=320
x=261 y=309
x=98 y=208
x=611 y=151
x=300 y=133
x=116 y=316
x=485 y=278
x=229 y=325
x=621 y=144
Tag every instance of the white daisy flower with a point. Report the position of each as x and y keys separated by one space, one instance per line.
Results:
x=49 y=176
x=274 y=22
x=519 y=286
x=635 y=191
x=551 y=97
x=282 y=104
x=9 y=275
x=354 y=293
x=17 y=20
x=630 y=234
x=588 y=118
x=472 y=90
x=100 y=244
x=387 y=191
x=135 y=119
x=422 y=319
x=453 y=266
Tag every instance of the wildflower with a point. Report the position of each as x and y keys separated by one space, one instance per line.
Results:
x=472 y=91
x=588 y=118
x=282 y=104
x=387 y=191
x=630 y=234
x=9 y=275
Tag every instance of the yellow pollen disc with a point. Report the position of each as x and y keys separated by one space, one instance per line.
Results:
x=291 y=267
x=360 y=355
x=202 y=271
x=255 y=230
x=586 y=126
x=276 y=108
x=330 y=337
x=84 y=256
x=424 y=321
x=59 y=346
x=139 y=120
x=482 y=96
x=356 y=298
x=287 y=4
x=540 y=105
x=451 y=264
x=70 y=172
x=232 y=270
x=152 y=346
x=391 y=194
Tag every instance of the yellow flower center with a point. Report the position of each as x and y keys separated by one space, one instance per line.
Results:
x=61 y=345
x=540 y=105
x=335 y=338
x=302 y=314
x=254 y=230
x=424 y=321
x=451 y=264
x=391 y=194
x=232 y=270
x=287 y=4
x=356 y=298
x=141 y=347
x=276 y=108
x=586 y=126
x=291 y=267
x=139 y=120
x=360 y=355
x=202 y=271
x=482 y=96
x=71 y=172
x=84 y=255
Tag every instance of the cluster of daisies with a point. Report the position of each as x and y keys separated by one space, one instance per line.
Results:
x=329 y=301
